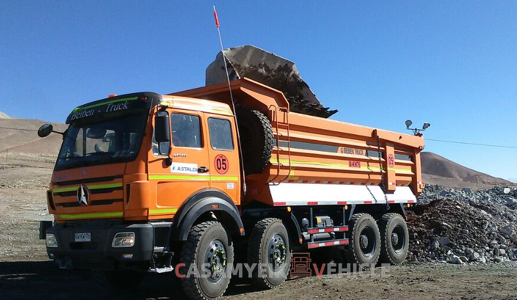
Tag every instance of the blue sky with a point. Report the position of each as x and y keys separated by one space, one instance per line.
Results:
x=450 y=63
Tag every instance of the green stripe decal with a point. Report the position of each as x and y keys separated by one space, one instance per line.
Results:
x=178 y=177
x=163 y=211
x=186 y=177
x=401 y=170
x=91 y=187
x=92 y=215
x=224 y=178
x=67 y=189
x=315 y=163
x=106 y=102
x=104 y=186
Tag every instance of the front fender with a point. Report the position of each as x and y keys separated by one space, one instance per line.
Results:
x=201 y=203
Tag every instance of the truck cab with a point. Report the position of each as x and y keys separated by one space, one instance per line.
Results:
x=116 y=188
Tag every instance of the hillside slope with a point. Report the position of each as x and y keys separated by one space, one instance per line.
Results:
x=439 y=170
x=19 y=138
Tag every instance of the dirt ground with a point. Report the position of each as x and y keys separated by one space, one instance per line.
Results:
x=27 y=273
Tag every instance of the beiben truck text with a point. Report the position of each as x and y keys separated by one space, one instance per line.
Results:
x=147 y=182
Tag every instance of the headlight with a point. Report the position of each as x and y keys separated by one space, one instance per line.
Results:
x=123 y=239
x=51 y=240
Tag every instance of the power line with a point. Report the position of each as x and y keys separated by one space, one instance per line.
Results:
x=475 y=144
x=19 y=129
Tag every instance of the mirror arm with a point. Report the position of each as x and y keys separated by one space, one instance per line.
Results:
x=58 y=132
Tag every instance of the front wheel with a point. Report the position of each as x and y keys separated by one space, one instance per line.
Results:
x=269 y=249
x=206 y=255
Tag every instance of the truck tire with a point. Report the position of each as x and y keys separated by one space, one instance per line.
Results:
x=207 y=243
x=394 y=239
x=269 y=247
x=365 y=241
x=118 y=280
x=257 y=140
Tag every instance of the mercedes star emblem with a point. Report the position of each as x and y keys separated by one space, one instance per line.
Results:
x=82 y=195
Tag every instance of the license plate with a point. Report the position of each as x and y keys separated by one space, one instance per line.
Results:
x=83 y=237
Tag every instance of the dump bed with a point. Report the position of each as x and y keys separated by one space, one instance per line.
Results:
x=321 y=161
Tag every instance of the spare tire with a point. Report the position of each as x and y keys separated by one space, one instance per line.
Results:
x=256 y=140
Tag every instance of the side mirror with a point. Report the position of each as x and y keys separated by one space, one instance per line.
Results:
x=162 y=127
x=45 y=130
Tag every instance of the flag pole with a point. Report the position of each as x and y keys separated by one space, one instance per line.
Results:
x=216 y=18
x=224 y=56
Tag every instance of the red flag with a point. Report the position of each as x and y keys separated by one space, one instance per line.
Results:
x=216 y=19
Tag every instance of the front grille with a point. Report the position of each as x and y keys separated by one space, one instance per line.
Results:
x=107 y=190
x=93 y=202
x=66 y=194
x=93 y=191
x=88 y=180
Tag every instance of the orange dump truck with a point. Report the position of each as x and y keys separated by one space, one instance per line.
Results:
x=187 y=181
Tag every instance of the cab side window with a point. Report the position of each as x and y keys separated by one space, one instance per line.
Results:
x=220 y=134
x=186 y=131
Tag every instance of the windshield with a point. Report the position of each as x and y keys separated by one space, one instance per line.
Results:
x=107 y=141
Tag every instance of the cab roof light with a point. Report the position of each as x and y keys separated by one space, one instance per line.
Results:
x=112 y=96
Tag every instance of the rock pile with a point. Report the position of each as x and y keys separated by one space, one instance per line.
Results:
x=463 y=226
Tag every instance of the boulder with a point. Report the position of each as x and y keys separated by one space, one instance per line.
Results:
x=445 y=240
x=455 y=260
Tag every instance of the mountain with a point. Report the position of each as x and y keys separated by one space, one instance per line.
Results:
x=4 y=116
x=19 y=140
x=439 y=170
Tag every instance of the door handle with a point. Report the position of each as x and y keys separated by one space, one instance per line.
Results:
x=202 y=170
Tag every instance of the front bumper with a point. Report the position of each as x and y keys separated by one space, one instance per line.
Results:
x=98 y=253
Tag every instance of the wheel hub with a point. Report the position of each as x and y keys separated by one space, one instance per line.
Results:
x=398 y=239
x=277 y=251
x=394 y=239
x=215 y=259
x=363 y=240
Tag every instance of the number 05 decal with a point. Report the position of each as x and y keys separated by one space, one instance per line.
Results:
x=221 y=164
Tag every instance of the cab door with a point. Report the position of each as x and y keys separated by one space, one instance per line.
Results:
x=223 y=155
x=189 y=171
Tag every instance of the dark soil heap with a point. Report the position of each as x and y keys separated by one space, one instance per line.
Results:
x=462 y=231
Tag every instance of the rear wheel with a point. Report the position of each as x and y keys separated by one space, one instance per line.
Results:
x=394 y=239
x=269 y=249
x=365 y=241
x=207 y=251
